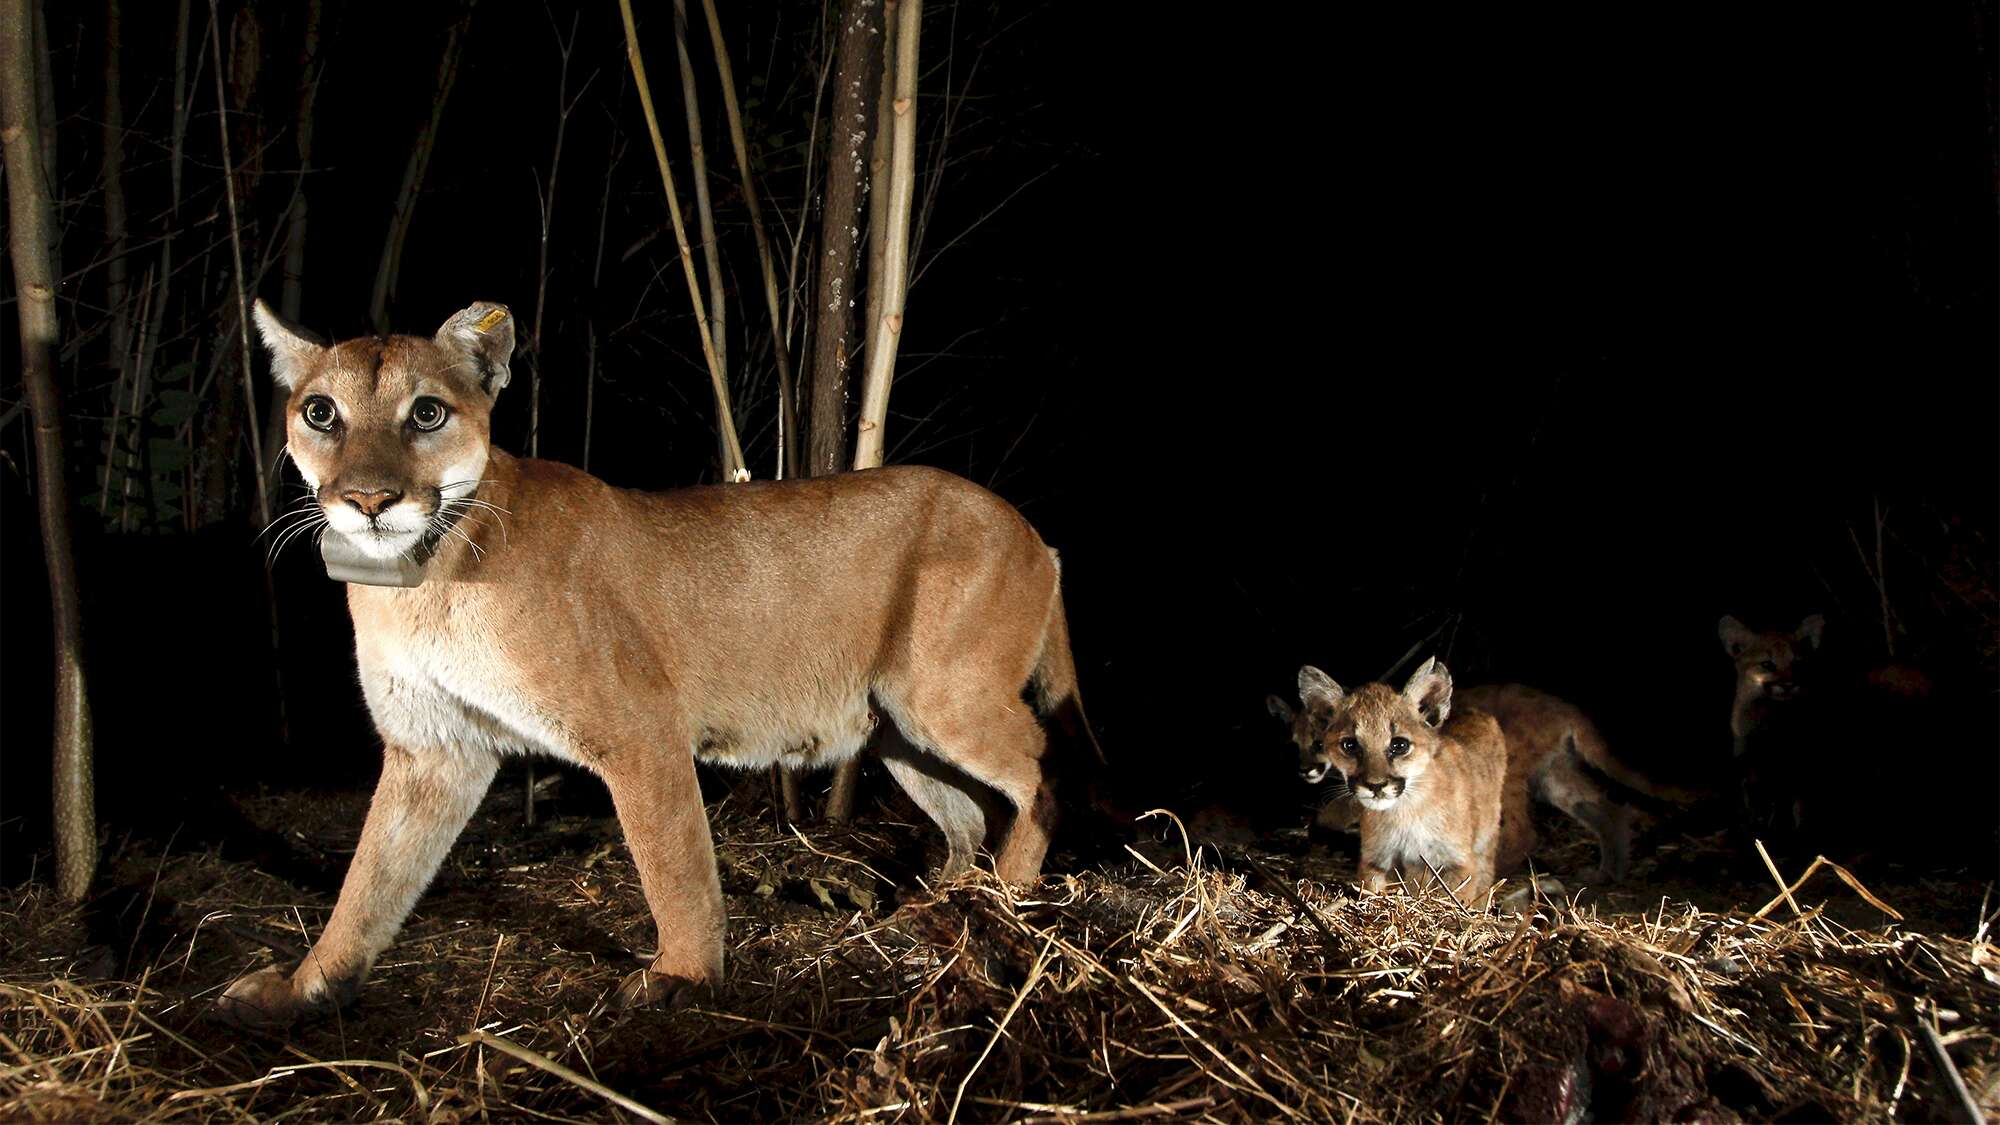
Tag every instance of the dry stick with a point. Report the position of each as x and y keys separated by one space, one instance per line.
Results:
x=1948 y=1070
x=733 y=451
x=413 y=175
x=718 y=312
x=564 y=106
x=236 y=248
x=805 y=208
x=1000 y=1029
x=30 y=222
x=543 y=1062
x=291 y=299
x=787 y=423
x=887 y=328
x=115 y=290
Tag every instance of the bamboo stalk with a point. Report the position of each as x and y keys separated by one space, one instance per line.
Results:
x=718 y=313
x=733 y=460
x=887 y=329
x=30 y=226
x=242 y=298
x=414 y=171
x=788 y=452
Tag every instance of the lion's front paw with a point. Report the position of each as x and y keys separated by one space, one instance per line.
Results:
x=648 y=989
x=262 y=1001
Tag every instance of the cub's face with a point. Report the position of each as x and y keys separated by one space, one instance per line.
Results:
x=1380 y=740
x=390 y=431
x=1771 y=666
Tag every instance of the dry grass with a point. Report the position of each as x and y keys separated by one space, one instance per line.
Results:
x=1166 y=987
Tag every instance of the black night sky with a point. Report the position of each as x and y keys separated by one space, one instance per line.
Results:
x=1536 y=339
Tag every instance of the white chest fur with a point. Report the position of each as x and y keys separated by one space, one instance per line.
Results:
x=1408 y=839
x=433 y=682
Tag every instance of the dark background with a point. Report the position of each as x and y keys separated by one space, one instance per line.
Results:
x=1537 y=340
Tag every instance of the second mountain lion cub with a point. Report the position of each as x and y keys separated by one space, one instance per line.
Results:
x=1428 y=782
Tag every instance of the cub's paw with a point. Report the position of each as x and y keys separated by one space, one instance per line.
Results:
x=262 y=1001
x=648 y=989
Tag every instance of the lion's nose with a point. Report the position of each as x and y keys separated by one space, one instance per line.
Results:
x=1313 y=772
x=371 y=504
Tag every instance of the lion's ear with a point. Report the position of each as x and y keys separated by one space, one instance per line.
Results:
x=1736 y=636
x=1810 y=630
x=1429 y=691
x=482 y=333
x=293 y=349
x=1317 y=691
x=1279 y=709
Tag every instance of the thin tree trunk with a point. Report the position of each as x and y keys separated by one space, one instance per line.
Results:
x=30 y=222
x=733 y=465
x=114 y=192
x=885 y=304
x=886 y=327
x=564 y=104
x=291 y=298
x=711 y=250
x=611 y=156
x=788 y=442
x=413 y=175
x=242 y=296
x=840 y=233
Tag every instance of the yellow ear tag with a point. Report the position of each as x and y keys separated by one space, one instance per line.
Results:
x=487 y=322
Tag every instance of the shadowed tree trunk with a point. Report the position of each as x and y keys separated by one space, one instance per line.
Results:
x=889 y=241
x=291 y=298
x=413 y=175
x=31 y=227
x=839 y=254
x=840 y=230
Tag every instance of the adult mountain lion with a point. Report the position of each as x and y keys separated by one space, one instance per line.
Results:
x=630 y=633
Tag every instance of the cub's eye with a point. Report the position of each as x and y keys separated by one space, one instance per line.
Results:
x=1350 y=747
x=319 y=413
x=1398 y=747
x=429 y=414
x=1769 y=666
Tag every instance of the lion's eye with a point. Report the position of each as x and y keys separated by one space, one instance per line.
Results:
x=1769 y=666
x=429 y=414
x=1398 y=747
x=1350 y=747
x=319 y=413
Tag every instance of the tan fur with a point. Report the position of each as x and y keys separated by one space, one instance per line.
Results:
x=1429 y=781
x=1768 y=671
x=630 y=633
x=1549 y=741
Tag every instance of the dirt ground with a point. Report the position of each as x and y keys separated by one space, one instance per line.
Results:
x=1244 y=979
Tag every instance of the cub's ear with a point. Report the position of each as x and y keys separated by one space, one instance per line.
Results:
x=1318 y=691
x=1736 y=636
x=482 y=333
x=1810 y=629
x=293 y=349
x=1429 y=691
x=1279 y=709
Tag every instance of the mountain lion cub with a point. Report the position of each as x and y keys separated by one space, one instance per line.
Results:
x=1554 y=754
x=630 y=633
x=1428 y=782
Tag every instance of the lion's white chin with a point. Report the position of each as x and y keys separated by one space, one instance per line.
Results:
x=384 y=539
x=1379 y=804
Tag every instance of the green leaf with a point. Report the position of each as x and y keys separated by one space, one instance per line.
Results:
x=168 y=455
x=175 y=406
x=178 y=373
